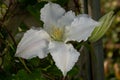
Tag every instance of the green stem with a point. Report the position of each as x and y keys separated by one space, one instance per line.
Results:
x=22 y=61
x=12 y=38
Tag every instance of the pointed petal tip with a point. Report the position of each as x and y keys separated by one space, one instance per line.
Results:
x=64 y=55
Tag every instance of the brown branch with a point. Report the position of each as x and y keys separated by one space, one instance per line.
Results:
x=7 y=12
x=112 y=46
x=48 y=76
x=76 y=2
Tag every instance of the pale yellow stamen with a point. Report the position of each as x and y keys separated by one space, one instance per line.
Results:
x=57 y=33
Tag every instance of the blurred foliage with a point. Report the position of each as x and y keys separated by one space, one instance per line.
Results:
x=112 y=43
x=12 y=68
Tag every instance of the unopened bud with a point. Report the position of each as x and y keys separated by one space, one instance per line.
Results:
x=105 y=23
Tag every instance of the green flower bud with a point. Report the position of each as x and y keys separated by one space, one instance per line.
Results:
x=105 y=23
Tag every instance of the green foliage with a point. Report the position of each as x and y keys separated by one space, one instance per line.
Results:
x=62 y=2
x=23 y=75
x=28 y=2
x=74 y=71
x=34 y=12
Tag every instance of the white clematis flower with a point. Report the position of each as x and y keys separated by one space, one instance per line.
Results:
x=59 y=27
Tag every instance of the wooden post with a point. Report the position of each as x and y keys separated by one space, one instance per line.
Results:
x=85 y=3
x=91 y=63
x=84 y=6
x=96 y=56
x=84 y=62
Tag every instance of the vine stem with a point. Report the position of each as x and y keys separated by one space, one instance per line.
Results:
x=63 y=78
x=22 y=61
x=48 y=76
x=11 y=36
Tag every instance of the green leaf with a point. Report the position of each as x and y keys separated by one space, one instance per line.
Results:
x=53 y=70
x=46 y=0
x=37 y=75
x=7 y=61
x=35 y=62
x=0 y=60
x=23 y=26
x=34 y=12
x=62 y=2
x=40 y=5
x=23 y=75
x=73 y=72
x=28 y=2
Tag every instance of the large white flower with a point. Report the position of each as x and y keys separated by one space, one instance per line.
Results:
x=59 y=27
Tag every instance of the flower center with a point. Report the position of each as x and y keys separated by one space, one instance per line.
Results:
x=57 y=33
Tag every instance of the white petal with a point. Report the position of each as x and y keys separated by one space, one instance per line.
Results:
x=34 y=43
x=66 y=19
x=50 y=13
x=81 y=28
x=64 y=56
